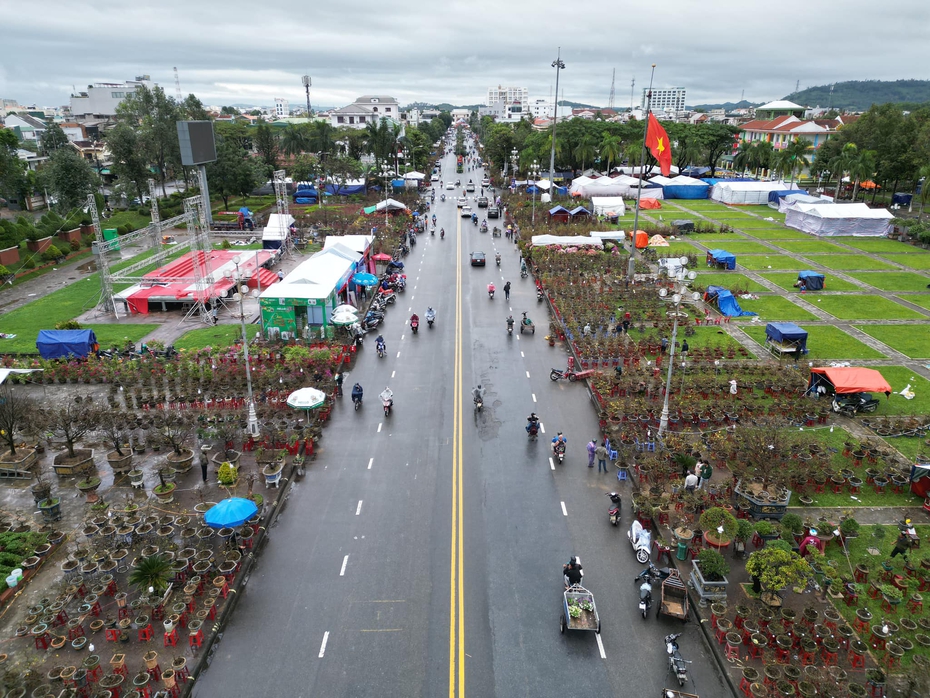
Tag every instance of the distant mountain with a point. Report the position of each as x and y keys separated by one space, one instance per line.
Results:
x=726 y=106
x=577 y=105
x=859 y=95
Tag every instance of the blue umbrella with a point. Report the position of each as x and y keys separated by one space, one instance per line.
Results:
x=365 y=279
x=231 y=512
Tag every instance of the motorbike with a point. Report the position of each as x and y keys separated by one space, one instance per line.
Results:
x=371 y=321
x=532 y=430
x=491 y=291
x=641 y=540
x=645 y=597
x=497 y=259
x=539 y=295
x=613 y=512
x=524 y=273
x=510 y=326
x=676 y=663
x=559 y=450
x=479 y=403
x=382 y=350
x=475 y=221
x=442 y=197
x=854 y=403
x=430 y=318
x=653 y=573
x=357 y=399
x=415 y=325
x=432 y=231
x=442 y=234
x=483 y=228
x=387 y=401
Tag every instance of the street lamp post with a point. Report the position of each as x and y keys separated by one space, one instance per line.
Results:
x=513 y=161
x=559 y=66
x=252 y=427
x=682 y=277
x=534 y=170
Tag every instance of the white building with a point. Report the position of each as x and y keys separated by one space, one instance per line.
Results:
x=281 y=108
x=28 y=127
x=540 y=108
x=101 y=99
x=365 y=110
x=508 y=95
x=504 y=111
x=670 y=100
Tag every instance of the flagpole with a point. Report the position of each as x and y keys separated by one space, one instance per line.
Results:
x=639 y=188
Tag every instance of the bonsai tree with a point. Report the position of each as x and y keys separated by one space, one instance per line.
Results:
x=72 y=420
x=714 y=567
x=176 y=430
x=16 y=411
x=720 y=523
x=116 y=430
x=765 y=449
x=849 y=528
x=774 y=568
x=792 y=523
x=153 y=572
x=227 y=474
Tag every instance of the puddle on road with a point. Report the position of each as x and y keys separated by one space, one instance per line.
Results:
x=87 y=267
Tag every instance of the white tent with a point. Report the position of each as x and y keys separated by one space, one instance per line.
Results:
x=607 y=204
x=356 y=243
x=565 y=240
x=745 y=193
x=654 y=169
x=414 y=175
x=577 y=185
x=785 y=202
x=389 y=204
x=829 y=220
x=277 y=228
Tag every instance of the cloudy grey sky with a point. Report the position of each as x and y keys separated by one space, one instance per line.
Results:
x=252 y=52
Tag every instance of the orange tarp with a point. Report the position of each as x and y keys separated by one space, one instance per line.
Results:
x=642 y=238
x=650 y=203
x=855 y=380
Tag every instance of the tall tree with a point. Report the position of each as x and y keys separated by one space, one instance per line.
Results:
x=155 y=116
x=69 y=177
x=129 y=162
x=192 y=108
x=716 y=140
x=233 y=174
x=266 y=145
x=861 y=168
x=12 y=169
x=53 y=139
x=295 y=139
x=611 y=148
x=841 y=163
x=585 y=149
x=794 y=157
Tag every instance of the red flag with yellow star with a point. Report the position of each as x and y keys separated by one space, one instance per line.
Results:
x=657 y=142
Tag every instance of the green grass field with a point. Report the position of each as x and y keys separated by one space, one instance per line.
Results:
x=747 y=247
x=880 y=245
x=786 y=281
x=910 y=340
x=826 y=343
x=709 y=337
x=894 y=280
x=676 y=247
x=772 y=233
x=849 y=261
x=775 y=309
x=923 y=300
x=730 y=281
x=812 y=247
x=715 y=238
x=765 y=262
x=859 y=307
x=217 y=337
x=912 y=260
x=898 y=378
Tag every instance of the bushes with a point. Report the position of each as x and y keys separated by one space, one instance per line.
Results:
x=52 y=253
x=68 y=325
x=29 y=263
x=75 y=245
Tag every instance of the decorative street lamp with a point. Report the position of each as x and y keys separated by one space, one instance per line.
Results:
x=252 y=428
x=559 y=66
x=534 y=170
x=682 y=278
x=513 y=161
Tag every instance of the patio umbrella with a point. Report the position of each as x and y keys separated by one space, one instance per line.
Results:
x=231 y=512
x=382 y=257
x=365 y=279
x=343 y=319
x=345 y=308
x=306 y=398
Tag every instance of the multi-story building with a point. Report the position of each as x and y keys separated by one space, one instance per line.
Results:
x=507 y=95
x=101 y=99
x=782 y=130
x=670 y=100
x=365 y=110
x=541 y=108
x=281 y=108
x=26 y=127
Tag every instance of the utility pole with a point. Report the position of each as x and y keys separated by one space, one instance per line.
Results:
x=559 y=66
x=610 y=100
x=632 y=86
x=306 y=82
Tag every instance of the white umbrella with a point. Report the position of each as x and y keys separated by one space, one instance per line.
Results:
x=345 y=308
x=306 y=398
x=341 y=319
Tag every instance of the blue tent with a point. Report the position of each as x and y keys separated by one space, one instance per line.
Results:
x=774 y=196
x=533 y=189
x=721 y=257
x=717 y=180
x=813 y=280
x=64 y=344
x=694 y=171
x=345 y=189
x=560 y=190
x=787 y=333
x=901 y=199
x=726 y=302
x=579 y=211
x=681 y=188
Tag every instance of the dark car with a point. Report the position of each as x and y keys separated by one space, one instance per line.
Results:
x=494 y=212
x=482 y=202
x=478 y=259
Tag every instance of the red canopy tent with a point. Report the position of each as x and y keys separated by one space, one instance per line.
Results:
x=848 y=380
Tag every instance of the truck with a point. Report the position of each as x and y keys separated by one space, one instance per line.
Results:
x=459 y=161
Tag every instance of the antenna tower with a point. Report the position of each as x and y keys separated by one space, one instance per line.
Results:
x=831 y=97
x=610 y=100
x=797 y=86
x=177 y=85
x=632 y=86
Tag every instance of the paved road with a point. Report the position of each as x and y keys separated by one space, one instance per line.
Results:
x=424 y=550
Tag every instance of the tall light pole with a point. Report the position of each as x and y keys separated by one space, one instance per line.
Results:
x=513 y=161
x=306 y=81
x=252 y=427
x=534 y=170
x=681 y=277
x=559 y=66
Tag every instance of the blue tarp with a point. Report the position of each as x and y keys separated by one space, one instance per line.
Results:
x=788 y=333
x=694 y=171
x=717 y=180
x=559 y=209
x=533 y=189
x=63 y=344
x=774 y=196
x=345 y=189
x=560 y=190
x=579 y=210
x=813 y=280
x=726 y=302
x=722 y=257
x=697 y=190
x=901 y=199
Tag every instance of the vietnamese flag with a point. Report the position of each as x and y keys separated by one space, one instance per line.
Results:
x=657 y=142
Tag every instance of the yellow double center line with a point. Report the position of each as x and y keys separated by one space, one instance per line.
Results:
x=456 y=572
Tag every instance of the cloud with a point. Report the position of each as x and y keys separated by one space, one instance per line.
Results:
x=239 y=51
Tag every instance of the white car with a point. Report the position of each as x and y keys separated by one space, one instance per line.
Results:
x=485 y=182
x=435 y=178
x=465 y=212
x=450 y=186
x=462 y=201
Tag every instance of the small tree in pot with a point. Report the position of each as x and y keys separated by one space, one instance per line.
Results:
x=117 y=431
x=773 y=568
x=176 y=429
x=72 y=420
x=16 y=412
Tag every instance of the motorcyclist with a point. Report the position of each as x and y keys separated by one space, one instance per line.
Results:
x=379 y=344
x=532 y=421
x=440 y=185
x=357 y=392
x=527 y=321
x=442 y=233
x=339 y=378
x=434 y=219
x=414 y=320
x=510 y=323
x=477 y=394
x=571 y=572
x=430 y=314
x=491 y=289
x=559 y=442
x=497 y=259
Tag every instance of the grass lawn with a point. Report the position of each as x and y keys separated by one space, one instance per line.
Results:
x=813 y=247
x=715 y=238
x=130 y=216
x=825 y=342
x=894 y=280
x=730 y=281
x=911 y=340
x=708 y=337
x=922 y=300
x=217 y=337
x=775 y=309
x=908 y=446
x=108 y=335
x=729 y=216
x=747 y=247
x=858 y=307
x=763 y=262
x=676 y=247
x=849 y=261
x=898 y=378
x=880 y=245
x=770 y=232
x=786 y=281
x=912 y=260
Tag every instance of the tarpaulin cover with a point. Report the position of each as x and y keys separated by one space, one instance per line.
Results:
x=829 y=220
x=726 y=302
x=849 y=380
x=695 y=171
x=774 y=196
x=901 y=199
x=566 y=241
x=62 y=344
x=682 y=187
x=658 y=241
x=785 y=202
x=722 y=257
x=788 y=333
x=744 y=193
x=650 y=203
x=812 y=279
x=642 y=239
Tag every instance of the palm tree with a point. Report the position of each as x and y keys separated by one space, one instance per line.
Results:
x=861 y=168
x=794 y=157
x=611 y=148
x=841 y=164
x=322 y=138
x=763 y=155
x=151 y=572
x=295 y=139
x=743 y=160
x=585 y=150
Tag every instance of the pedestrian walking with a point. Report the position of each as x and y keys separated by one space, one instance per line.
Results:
x=507 y=291
x=664 y=344
x=691 y=483
x=203 y=465
x=901 y=545
x=685 y=348
x=601 y=453
x=215 y=313
x=592 y=449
